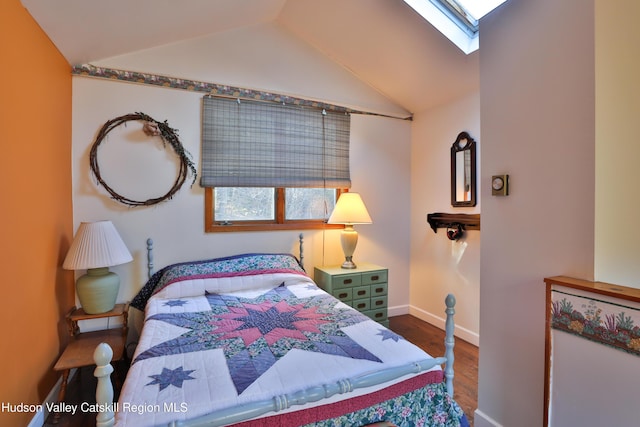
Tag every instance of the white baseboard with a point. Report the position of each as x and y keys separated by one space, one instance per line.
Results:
x=460 y=332
x=40 y=417
x=480 y=419
x=398 y=310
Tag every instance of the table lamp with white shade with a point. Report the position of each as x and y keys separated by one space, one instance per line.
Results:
x=96 y=247
x=349 y=210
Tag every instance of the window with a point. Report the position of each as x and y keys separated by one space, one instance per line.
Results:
x=263 y=208
x=309 y=203
x=269 y=166
x=233 y=204
x=456 y=19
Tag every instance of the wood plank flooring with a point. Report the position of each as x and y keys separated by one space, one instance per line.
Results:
x=82 y=386
x=431 y=339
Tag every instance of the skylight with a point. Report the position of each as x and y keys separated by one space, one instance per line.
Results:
x=456 y=19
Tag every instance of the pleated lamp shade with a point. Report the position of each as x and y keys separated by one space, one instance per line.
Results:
x=350 y=209
x=97 y=244
x=96 y=247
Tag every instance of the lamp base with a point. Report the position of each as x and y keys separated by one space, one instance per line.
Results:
x=98 y=290
x=348 y=263
x=349 y=240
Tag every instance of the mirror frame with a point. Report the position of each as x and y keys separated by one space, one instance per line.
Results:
x=455 y=148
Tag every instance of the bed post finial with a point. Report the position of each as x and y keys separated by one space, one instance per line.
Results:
x=149 y=258
x=449 y=342
x=104 y=391
x=301 y=240
x=450 y=301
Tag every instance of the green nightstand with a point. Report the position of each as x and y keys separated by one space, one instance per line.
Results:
x=364 y=288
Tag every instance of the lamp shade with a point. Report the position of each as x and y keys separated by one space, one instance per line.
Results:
x=96 y=245
x=350 y=209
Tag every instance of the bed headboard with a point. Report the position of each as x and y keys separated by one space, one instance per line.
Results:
x=150 y=254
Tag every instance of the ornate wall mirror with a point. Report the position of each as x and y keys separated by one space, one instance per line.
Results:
x=463 y=171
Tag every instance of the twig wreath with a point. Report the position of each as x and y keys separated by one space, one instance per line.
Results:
x=150 y=127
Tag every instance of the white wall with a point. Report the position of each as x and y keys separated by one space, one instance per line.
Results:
x=139 y=167
x=584 y=394
x=617 y=148
x=380 y=153
x=264 y=57
x=537 y=112
x=440 y=266
x=617 y=106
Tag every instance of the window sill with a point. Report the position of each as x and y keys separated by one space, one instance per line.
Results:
x=219 y=228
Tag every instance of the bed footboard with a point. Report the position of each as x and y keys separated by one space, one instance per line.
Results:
x=312 y=394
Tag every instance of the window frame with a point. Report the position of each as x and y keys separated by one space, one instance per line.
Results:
x=280 y=223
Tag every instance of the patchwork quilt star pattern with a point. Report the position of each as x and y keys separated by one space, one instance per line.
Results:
x=255 y=333
x=175 y=303
x=174 y=377
x=387 y=334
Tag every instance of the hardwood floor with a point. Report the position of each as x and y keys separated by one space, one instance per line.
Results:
x=82 y=386
x=431 y=339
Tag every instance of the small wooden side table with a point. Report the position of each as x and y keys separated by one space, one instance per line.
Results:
x=79 y=351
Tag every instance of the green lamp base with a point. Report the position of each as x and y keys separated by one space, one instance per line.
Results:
x=98 y=290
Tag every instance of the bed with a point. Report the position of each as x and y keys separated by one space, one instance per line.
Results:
x=251 y=340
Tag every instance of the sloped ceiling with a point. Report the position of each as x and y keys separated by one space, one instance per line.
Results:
x=384 y=43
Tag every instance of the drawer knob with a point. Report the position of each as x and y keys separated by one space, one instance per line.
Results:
x=375 y=277
x=378 y=315
x=362 y=305
x=379 y=290
x=347 y=281
x=362 y=292
x=379 y=302
x=344 y=295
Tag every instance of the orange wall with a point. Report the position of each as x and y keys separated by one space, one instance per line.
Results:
x=35 y=208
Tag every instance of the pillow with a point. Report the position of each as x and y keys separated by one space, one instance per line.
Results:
x=237 y=265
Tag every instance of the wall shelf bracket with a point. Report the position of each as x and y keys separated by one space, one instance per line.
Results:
x=445 y=220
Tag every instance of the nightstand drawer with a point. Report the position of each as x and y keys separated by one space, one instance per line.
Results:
x=344 y=294
x=361 y=292
x=374 y=277
x=361 y=304
x=377 y=315
x=379 y=290
x=378 y=302
x=346 y=280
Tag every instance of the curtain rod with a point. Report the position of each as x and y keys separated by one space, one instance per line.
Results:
x=210 y=89
x=286 y=101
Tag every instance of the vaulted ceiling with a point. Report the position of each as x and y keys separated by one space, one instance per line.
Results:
x=384 y=43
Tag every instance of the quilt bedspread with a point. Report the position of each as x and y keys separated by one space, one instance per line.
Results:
x=254 y=333
x=218 y=339
x=232 y=266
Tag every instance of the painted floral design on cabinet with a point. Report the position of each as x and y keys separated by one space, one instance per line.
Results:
x=611 y=324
